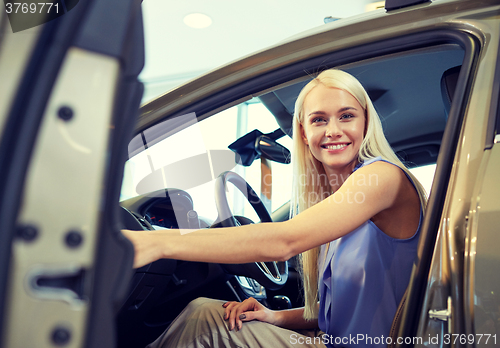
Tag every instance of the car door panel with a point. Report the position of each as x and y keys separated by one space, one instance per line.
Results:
x=76 y=104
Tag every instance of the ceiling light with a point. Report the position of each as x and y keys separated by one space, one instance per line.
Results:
x=197 y=20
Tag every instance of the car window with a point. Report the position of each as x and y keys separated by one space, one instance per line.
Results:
x=413 y=128
x=215 y=133
x=425 y=174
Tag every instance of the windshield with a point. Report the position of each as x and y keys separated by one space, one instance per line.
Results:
x=178 y=161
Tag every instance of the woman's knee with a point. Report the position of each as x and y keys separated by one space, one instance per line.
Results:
x=205 y=306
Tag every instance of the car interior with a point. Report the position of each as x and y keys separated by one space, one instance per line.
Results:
x=412 y=91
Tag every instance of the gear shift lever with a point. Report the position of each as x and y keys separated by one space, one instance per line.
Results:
x=281 y=302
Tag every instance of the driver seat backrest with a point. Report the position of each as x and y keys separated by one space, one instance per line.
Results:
x=396 y=322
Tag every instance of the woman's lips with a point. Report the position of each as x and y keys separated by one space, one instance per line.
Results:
x=335 y=146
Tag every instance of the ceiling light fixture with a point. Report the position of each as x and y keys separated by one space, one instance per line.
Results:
x=197 y=20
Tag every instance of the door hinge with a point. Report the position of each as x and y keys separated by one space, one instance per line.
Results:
x=442 y=314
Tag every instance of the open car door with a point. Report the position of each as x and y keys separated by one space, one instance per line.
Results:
x=69 y=97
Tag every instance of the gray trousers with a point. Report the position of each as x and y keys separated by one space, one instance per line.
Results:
x=201 y=324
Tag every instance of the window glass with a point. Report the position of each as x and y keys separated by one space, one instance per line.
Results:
x=260 y=118
x=425 y=174
x=408 y=100
x=212 y=134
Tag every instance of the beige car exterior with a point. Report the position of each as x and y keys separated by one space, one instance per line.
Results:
x=454 y=296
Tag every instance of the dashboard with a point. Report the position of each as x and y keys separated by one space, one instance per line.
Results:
x=162 y=215
x=160 y=290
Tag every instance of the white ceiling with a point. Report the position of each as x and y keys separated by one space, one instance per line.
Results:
x=176 y=53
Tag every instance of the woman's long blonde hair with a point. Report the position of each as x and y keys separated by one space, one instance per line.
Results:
x=309 y=177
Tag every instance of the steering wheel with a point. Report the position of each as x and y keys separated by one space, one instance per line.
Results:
x=271 y=275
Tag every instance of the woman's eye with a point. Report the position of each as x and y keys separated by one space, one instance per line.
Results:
x=317 y=120
x=346 y=116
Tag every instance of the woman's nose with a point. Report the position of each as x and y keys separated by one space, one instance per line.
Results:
x=333 y=130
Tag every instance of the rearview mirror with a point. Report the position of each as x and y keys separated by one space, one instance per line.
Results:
x=255 y=144
x=271 y=150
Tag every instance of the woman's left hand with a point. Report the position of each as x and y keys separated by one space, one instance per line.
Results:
x=238 y=312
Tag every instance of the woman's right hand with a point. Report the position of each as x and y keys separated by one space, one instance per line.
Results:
x=147 y=246
x=250 y=309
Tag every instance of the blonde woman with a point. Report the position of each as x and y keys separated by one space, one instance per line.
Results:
x=356 y=213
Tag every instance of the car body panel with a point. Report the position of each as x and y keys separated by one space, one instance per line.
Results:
x=481 y=256
x=67 y=187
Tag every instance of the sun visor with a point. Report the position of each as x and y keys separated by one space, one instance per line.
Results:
x=279 y=111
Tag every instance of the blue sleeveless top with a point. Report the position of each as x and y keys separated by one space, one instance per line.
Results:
x=362 y=279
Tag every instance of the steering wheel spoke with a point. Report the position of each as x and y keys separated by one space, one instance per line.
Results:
x=270 y=268
x=271 y=275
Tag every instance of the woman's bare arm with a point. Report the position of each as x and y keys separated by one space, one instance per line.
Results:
x=364 y=194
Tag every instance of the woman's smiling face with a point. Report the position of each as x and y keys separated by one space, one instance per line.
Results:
x=333 y=128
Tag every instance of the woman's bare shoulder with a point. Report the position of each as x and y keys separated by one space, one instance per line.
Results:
x=379 y=174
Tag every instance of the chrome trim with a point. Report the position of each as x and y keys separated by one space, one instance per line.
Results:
x=442 y=314
x=265 y=269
